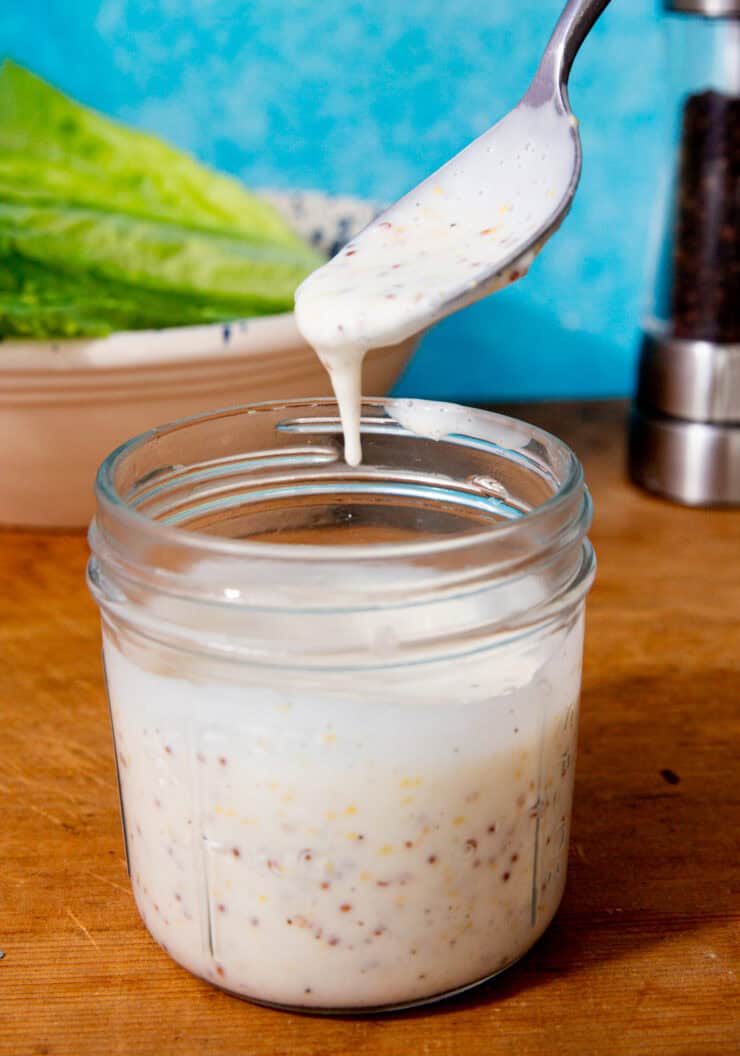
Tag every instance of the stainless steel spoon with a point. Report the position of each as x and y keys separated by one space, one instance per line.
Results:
x=550 y=84
x=548 y=92
x=472 y=226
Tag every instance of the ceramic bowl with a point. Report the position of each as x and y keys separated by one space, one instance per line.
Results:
x=65 y=404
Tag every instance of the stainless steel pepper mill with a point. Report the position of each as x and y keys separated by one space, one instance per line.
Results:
x=684 y=440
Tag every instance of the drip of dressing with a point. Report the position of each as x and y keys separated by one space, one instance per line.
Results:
x=467 y=230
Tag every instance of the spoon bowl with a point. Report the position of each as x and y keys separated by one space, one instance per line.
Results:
x=471 y=227
x=474 y=225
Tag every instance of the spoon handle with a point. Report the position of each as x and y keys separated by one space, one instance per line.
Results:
x=573 y=26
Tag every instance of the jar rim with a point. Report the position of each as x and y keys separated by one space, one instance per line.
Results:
x=214 y=545
x=500 y=578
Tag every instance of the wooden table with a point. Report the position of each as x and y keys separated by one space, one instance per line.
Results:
x=643 y=956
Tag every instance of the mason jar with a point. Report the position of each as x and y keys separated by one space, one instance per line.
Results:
x=344 y=700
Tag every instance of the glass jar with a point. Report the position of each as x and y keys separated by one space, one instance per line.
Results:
x=344 y=701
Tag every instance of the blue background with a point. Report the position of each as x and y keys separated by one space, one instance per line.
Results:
x=366 y=98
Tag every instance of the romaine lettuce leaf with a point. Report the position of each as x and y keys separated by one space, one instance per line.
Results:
x=103 y=227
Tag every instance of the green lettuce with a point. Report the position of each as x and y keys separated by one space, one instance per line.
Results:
x=106 y=228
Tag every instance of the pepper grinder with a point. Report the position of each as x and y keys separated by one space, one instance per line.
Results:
x=684 y=440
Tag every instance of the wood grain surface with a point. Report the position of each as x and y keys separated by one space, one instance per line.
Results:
x=643 y=955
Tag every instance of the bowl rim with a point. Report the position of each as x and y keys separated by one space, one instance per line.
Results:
x=231 y=339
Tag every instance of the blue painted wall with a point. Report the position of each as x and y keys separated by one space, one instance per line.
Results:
x=365 y=97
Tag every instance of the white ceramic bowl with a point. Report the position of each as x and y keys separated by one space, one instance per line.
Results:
x=65 y=404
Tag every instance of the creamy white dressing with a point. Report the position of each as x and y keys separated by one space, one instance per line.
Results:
x=464 y=232
x=347 y=841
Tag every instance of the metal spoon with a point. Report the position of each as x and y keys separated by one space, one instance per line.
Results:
x=472 y=226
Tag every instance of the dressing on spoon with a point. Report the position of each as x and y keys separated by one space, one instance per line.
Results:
x=470 y=228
